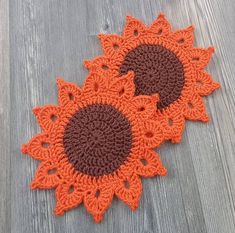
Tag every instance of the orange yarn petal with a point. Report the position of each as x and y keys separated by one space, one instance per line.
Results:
x=134 y=28
x=92 y=143
x=38 y=147
x=152 y=134
x=111 y=44
x=129 y=190
x=48 y=116
x=145 y=106
x=172 y=124
x=69 y=93
x=205 y=84
x=161 y=27
x=201 y=57
x=149 y=164
x=68 y=196
x=195 y=109
x=97 y=199
x=164 y=62
x=184 y=37
x=123 y=88
x=46 y=176
x=94 y=85
x=102 y=66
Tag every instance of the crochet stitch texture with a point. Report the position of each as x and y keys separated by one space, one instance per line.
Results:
x=164 y=62
x=96 y=143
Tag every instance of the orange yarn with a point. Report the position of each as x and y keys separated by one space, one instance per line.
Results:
x=83 y=122
x=180 y=94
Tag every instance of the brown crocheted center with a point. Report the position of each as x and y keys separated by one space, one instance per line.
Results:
x=157 y=70
x=98 y=139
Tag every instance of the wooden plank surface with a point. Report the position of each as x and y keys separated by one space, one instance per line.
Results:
x=51 y=38
x=4 y=118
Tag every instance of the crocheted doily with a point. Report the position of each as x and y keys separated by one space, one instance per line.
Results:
x=164 y=62
x=96 y=144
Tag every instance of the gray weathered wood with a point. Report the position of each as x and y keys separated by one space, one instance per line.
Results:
x=5 y=191
x=51 y=38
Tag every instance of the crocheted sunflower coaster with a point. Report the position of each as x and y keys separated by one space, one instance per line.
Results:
x=164 y=62
x=96 y=144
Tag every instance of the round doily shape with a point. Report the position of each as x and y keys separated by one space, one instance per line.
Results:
x=96 y=143
x=164 y=62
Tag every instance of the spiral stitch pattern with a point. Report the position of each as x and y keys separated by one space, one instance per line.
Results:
x=96 y=143
x=97 y=139
x=165 y=63
x=157 y=70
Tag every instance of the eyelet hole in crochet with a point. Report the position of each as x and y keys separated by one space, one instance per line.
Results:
x=170 y=122
x=53 y=117
x=199 y=83
x=136 y=33
x=141 y=109
x=115 y=46
x=97 y=193
x=126 y=184
x=160 y=31
x=190 y=105
x=195 y=59
x=121 y=92
x=104 y=67
x=71 y=189
x=144 y=162
x=96 y=87
x=71 y=96
x=52 y=171
x=149 y=134
x=157 y=70
x=181 y=41
x=45 y=144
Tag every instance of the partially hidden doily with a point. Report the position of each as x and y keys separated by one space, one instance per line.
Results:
x=96 y=143
x=164 y=62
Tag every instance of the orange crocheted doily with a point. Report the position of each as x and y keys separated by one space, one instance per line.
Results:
x=164 y=62
x=96 y=144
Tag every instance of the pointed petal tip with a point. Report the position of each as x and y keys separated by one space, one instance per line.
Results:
x=97 y=218
x=87 y=64
x=58 y=210
x=59 y=78
x=101 y=36
x=211 y=49
x=156 y=97
x=60 y=81
x=176 y=139
x=33 y=185
x=162 y=171
x=131 y=74
x=24 y=148
x=205 y=118
x=190 y=28
x=216 y=85
x=130 y=18
x=134 y=205
x=161 y=15
x=36 y=110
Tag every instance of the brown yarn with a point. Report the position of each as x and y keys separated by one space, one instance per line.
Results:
x=94 y=130
x=97 y=139
x=175 y=72
x=157 y=70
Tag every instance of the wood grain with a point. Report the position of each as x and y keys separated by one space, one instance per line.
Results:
x=40 y=40
x=4 y=118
